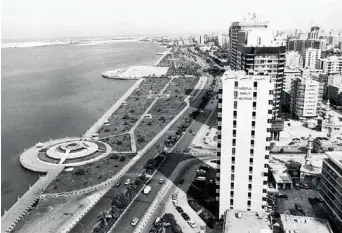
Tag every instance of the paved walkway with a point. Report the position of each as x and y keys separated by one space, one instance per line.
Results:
x=111 y=111
x=20 y=208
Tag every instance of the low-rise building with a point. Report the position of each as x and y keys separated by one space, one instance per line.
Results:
x=280 y=177
x=303 y=224
x=331 y=183
x=251 y=222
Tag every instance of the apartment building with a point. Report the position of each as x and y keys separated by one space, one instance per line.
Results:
x=331 y=183
x=332 y=64
x=312 y=58
x=249 y=23
x=306 y=97
x=244 y=126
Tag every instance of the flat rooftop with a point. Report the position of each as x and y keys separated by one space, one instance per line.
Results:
x=241 y=75
x=302 y=224
x=248 y=222
x=336 y=156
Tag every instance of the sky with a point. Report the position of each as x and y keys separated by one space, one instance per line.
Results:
x=27 y=19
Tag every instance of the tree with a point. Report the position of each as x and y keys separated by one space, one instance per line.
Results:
x=122 y=158
x=118 y=142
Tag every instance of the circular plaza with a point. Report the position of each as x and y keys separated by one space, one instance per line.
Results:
x=69 y=152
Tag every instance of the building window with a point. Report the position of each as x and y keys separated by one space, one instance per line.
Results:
x=264 y=182
x=233 y=160
x=249 y=203
x=269 y=111
x=266 y=166
x=232 y=177
x=250 y=178
x=249 y=194
x=253 y=124
x=268 y=130
x=253 y=114
x=254 y=94
x=236 y=83
x=235 y=94
x=235 y=114
x=267 y=156
x=252 y=133
x=252 y=142
x=270 y=102
x=220 y=91
x=254 y=105
x=233 y=151
x=250 y=187
x=218 y=145
x=235 y=104
x=267 y=148
x=269 y=121
x=234 y=124
x=252 y=151
x=234 y=133
x=264 y=190
x=233 y=168
x=232 y=185
x=234 y=142
x=250 y=169
x=271 y=92
x=255 y=84
x=251 y=161
x=231 y=201
x=231 y=193
x=220 y=100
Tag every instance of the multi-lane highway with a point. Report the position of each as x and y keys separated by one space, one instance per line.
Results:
x=87 y=223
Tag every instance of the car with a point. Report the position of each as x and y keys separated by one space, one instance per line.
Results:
x=174 y=196
x=192 y=223
x=118 y=184
x=175 y=202
x=161 y=181
x=297 y=186
x=178 y=150
x=306 y=186
x=282 y=196
x=134 y=221
x=185 y=216
x=156 y=221
x=128 y=181
x=271 y=186
x=179 y=209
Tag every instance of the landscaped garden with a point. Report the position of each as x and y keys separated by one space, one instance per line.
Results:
x=166 y=224
x=120 y=143
x=89 y=174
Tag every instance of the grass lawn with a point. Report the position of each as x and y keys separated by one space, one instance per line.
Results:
x=119 y=143
x=90 y=174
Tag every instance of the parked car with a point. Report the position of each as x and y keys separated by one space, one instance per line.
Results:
x=175 y=202
x=118 y=184
x=156 y=221
x=185 y=216
x=134 y=221
x=179 y=209
x=161 y=181
x=280 y=195
x=306 y=186
x=297 y=186
x=174 y=196
x=192 y=223
x=128 y=181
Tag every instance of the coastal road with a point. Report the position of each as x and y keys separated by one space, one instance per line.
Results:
x=87 y=223
x=141 y=204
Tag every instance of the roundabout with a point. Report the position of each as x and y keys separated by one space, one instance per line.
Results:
x=69 y=152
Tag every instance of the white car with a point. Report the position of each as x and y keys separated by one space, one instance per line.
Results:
x=134 y=221
x=175 y=202
x=128 y=181
x=192 y=223
x=161 y=181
